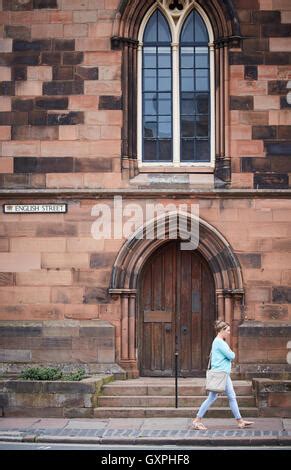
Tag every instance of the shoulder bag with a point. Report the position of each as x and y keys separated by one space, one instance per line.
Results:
x=215 y=379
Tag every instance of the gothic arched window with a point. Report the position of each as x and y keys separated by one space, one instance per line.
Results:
x=175 y=89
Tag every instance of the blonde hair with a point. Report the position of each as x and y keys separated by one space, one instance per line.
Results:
x=220 y=325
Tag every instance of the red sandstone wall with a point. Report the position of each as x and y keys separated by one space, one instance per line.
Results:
x=70 y=270
x=60 y=127
x=60 y=113
x=260 y=114
x=61 y=106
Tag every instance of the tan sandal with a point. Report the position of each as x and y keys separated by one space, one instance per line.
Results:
x=198 y=426
x=244 y=424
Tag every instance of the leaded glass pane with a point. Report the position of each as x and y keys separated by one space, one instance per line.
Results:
x=163 y=29
x=188 y=126
x=165 y=104
x=150 y=126
x=187 y=149
x=150 y=150
x=164 y=57
x=201 y=57
x=201 y=34
x=151 y=33
x=165 y=127
x=150 y=103
x=187 y=35
x=202 y=150
x=202 y=103
x=150 y=57
x=165 y=150
x=164 y=80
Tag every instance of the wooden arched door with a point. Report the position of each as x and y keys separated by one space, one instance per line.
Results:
x=176 y=312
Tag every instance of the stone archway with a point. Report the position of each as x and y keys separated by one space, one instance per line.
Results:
x=135 y=252
x=221 y=12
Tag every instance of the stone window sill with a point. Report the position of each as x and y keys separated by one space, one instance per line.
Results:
x=173 y=178
x=172 y=169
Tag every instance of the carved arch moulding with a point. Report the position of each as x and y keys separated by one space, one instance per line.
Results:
x=132 y=257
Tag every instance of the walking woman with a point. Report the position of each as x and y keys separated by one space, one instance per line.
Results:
x=221 y=357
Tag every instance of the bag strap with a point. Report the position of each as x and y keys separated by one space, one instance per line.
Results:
x=209 y=361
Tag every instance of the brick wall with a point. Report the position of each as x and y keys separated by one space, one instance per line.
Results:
x=58 y=399
x=273 y=397
x=60 y=127
x=60 y=103
x=263 y=348
x=53 y=269
x=260 y=113
x=70 y=342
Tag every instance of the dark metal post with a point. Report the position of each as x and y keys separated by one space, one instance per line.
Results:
x=176 y=379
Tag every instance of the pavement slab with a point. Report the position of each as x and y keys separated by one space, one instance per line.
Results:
x=82 y=423
x=50 y=423
x=120 y=423
x=10 y=423
x=157 y=431
x=166 y=423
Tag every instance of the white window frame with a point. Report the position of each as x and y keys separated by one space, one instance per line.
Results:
x=175 y=29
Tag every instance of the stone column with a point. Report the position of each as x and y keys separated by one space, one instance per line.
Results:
x=228 y=313
x=131 y=328
x=226 y=102
x=128 y=357
x=221 y=101
x=124 y=327
x=217 y=101
x=220 y=304
x=238 y=317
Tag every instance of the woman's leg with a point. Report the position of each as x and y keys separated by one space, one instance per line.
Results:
x=206 y=404
x=232 y=399
x=242 y=423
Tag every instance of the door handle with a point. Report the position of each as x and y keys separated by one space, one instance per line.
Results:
x=168 y=328
x=184 y=330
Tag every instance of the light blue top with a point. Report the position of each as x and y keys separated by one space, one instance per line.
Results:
x=221 y=355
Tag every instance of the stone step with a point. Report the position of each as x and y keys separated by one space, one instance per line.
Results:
x=167 y=401
x=126 y=389
x=168 y=412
